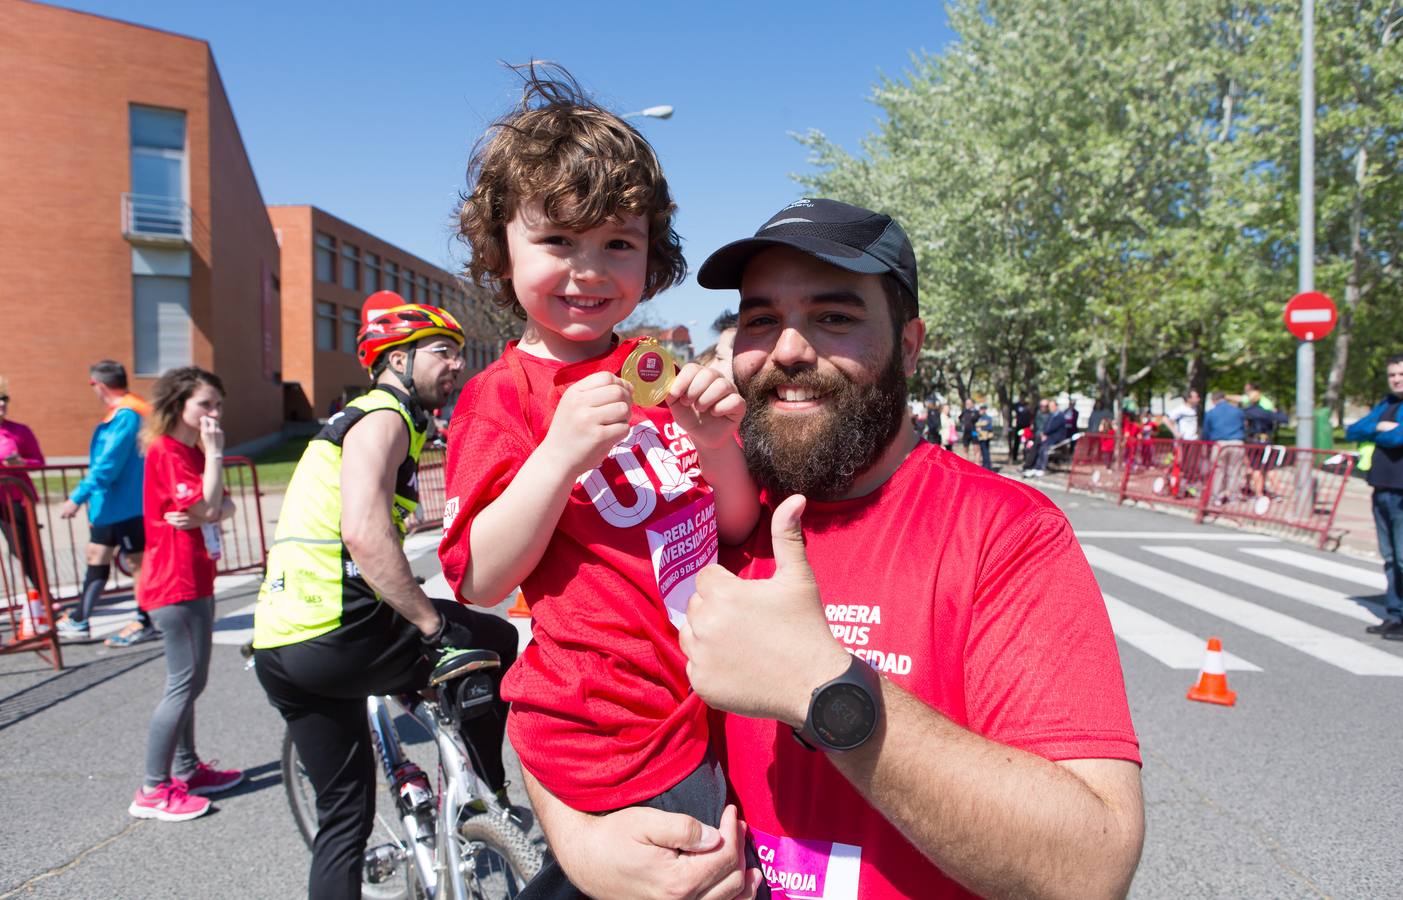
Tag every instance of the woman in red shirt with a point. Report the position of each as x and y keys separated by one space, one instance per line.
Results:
x=18 y=447
x=183 y=499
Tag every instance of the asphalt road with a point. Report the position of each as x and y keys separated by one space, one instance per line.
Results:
x=1290 y=793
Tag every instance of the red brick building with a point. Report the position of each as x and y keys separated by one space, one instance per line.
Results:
x=132 y=228
x=329 y=267
x=131 y=225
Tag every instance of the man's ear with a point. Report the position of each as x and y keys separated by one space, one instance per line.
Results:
x=397 y=364
x=913 y=337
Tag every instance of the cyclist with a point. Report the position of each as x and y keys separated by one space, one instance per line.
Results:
x=340 y=615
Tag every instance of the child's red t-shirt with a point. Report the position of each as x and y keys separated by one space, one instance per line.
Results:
x=176 y=567
x=602 y=712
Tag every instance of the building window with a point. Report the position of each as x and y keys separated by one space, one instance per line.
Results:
x=158 y=201
x=160 y=323
x=372 y=273
x=437 y=295
x=326 y=258
x=326 y=326
x=423 y=292
x=391 y=276
x=350 y=267
x=406 y=285
x=350 y=324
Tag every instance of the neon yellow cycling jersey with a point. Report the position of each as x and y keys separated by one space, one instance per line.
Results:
x=312 y=586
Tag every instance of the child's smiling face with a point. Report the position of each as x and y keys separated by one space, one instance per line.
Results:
x=575 y=285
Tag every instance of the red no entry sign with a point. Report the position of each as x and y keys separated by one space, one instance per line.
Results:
x=1310 y=316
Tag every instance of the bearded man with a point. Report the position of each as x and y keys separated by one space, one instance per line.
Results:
x=917 y=685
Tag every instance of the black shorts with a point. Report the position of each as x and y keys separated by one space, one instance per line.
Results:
x=129 y=535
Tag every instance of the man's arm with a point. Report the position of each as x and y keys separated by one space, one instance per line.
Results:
x=639 y=852
x=998 y=820
x=370 y=457
x=1363 y=430
x=118 y=444
x=1388 y=434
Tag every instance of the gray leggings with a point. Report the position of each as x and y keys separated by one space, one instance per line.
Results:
x=170 y=744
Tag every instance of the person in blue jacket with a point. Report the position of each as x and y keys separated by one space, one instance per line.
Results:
x=1224 y=422
x=1381 y=427
x=112 y=492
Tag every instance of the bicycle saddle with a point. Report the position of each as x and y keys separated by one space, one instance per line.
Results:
x=464 y=663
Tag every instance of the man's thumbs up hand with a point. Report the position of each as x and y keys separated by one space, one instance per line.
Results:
x=760 y=647
x=787 y=539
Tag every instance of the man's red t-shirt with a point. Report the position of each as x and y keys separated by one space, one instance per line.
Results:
x=983 y=606
x=602 y=711
x=176 y=567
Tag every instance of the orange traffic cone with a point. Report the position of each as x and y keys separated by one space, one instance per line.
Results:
x=35 y=620
x=520 y=610
x=1212 y=684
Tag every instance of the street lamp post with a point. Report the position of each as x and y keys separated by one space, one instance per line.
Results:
x=1305 y=351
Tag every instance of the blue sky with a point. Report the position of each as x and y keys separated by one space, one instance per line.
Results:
x=369 y=110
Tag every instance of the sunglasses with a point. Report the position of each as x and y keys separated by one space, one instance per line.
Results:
x=444 y=352
x=4 y=398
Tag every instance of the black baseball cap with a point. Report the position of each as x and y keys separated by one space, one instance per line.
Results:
x=839 y=234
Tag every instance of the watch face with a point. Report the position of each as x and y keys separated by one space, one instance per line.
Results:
x=844 y=715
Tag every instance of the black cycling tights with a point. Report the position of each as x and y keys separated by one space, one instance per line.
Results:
x=319 y=686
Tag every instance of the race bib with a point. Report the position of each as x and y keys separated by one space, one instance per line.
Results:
x=808 y=870
x=681 y=545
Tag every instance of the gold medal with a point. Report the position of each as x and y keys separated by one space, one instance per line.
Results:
x=650 y=369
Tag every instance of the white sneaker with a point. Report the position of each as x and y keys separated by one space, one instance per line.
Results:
x=72 y=630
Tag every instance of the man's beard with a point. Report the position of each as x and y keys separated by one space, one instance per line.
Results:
x=821 y=454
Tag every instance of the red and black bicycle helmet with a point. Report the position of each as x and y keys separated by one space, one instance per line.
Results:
x=387 y=322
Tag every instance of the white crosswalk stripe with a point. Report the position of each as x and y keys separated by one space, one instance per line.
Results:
x=1346 y=653
x=1344 y=571
x=235 y=628
x=1281 y=585
x=1175 y=647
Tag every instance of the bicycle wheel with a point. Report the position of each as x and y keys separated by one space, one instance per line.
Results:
x=498 y=857
x=399 y=884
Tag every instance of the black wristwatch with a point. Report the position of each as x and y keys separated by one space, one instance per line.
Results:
x=843 y=713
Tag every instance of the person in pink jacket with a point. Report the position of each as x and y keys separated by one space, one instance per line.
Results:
x=18 y=447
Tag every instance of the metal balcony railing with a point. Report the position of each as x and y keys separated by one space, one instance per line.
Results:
x=156 y=219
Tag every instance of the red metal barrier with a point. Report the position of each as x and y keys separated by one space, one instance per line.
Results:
x=432 y=491
x=62 y=542
x=1267 y=487
x=1172 y=472
x=1278 y=489
x=245 y=545
x=1094 y=465
x=22 y=571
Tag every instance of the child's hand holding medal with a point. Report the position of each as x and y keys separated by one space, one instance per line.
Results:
x=704 y=403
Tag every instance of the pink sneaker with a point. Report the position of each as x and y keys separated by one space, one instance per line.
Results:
x=168 y=802
x=209 y=780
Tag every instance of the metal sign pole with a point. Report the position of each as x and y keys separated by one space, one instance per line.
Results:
x=1305 y=351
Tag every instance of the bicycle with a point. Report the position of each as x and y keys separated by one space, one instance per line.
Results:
x=456 y=842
